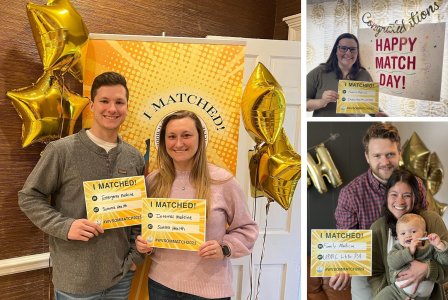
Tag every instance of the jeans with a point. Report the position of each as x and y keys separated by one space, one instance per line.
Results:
x=119 y=291
x=158 y=291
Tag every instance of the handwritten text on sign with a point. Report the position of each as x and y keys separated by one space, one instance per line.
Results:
x=336 y=251
x=113 y=203
x=174 y=223
x=357 y=97
x=407 y=64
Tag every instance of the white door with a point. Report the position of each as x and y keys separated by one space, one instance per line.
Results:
x=280 y=268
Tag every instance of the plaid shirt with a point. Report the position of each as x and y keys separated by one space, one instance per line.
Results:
x=360 y=202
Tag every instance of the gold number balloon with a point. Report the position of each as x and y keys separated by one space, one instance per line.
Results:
x=263 y=106
x=325 y=167
x=48 y=109
x=60 y=35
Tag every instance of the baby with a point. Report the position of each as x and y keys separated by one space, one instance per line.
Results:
x=411 y=234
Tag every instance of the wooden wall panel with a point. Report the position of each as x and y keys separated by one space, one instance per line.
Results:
x=30 y=285
x=285 y=8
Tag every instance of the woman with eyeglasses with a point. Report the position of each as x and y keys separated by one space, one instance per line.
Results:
x=402 y=197
x=322 y=82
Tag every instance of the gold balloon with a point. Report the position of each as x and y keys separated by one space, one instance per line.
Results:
x=257 y=170
x=48 y=109
x=60 y=35
x=435 y=205
x=283 y=171
x=415 y=156
x=435 y=174
x=426 y=165
x=325 y=167
x=263 y=106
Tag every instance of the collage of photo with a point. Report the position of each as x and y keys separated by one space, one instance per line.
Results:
x=231 y=150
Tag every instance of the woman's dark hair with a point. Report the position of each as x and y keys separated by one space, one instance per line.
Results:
x=331 y=65
x=402 y=175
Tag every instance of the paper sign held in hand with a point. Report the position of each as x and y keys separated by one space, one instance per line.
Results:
x=174 y=223
x=357 y=97
x=341 y=251
x=113 y=203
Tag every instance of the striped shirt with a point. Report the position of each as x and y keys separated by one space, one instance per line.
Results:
x=360 y=202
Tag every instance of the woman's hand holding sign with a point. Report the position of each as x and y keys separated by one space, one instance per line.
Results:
x=142 y=245
x=211 y=249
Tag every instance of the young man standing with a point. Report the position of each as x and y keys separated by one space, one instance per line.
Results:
x=361 y=200
x=88 y=262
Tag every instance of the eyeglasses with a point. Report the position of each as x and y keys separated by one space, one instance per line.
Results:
x=344 y=49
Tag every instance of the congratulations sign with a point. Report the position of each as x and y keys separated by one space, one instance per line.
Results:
x=336 y=251
x=174 y=223
x=113 y=203
x=357 y=97
x=407 y=64
x=166 y=74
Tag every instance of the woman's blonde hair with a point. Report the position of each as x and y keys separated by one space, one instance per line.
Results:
x=199 y=176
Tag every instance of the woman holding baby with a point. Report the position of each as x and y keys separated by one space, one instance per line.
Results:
x=413 y=263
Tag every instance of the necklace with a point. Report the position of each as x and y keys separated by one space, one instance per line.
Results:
x=183 y=178
x=183 y=183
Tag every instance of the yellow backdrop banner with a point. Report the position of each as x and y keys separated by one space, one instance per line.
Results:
x=164 y=75
x=167 y=74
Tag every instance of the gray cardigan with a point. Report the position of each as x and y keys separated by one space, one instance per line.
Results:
x=53 y=197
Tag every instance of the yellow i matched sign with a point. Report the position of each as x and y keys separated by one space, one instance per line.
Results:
x=113 y=203
x=341 y=251
x=174 y=223
x=357 y=97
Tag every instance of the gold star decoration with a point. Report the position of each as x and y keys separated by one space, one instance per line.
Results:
x=275 y=171
x=48 y=109
x=60 y=35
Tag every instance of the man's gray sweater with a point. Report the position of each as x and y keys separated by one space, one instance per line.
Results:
x=53 y=198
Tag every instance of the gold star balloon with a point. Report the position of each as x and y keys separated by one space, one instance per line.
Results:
x=435 y=174
x=435 y=205
x=415 y=156
x=275 y=171
x=256 y=170
x=60 y=35
x=419 y=160
x=263 y=106
x=283 y=174
x=48 y=109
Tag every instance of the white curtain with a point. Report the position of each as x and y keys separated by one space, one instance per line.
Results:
x=326 y=20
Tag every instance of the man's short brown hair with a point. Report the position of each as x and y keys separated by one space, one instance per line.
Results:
x=108 y=79
x=381 y=131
